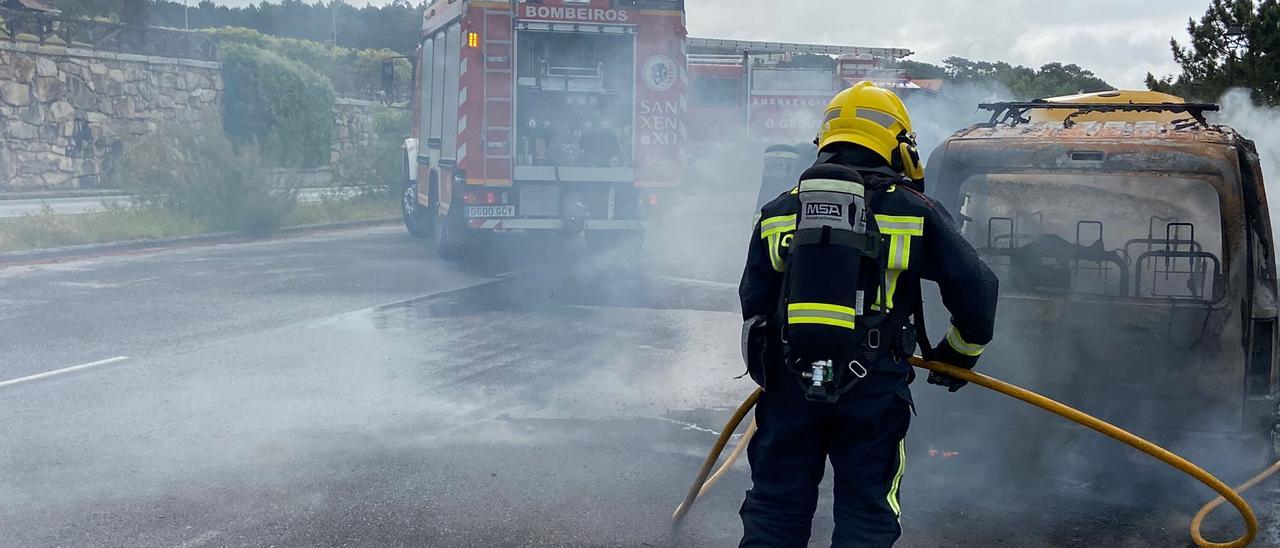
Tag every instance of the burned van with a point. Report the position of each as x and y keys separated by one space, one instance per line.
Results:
x=1133 y=244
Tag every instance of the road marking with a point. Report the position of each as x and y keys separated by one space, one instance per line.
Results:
x=436 y=294
x=206 y=537
x=688 y=425
x=62 y=371
x=681 y=279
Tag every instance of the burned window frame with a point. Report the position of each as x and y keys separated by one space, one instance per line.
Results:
x=1131 y=268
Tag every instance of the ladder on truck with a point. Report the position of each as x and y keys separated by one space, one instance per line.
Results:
x=497 y=134
x=714 y=46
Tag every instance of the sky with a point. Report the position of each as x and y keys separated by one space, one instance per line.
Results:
x=1120 y=40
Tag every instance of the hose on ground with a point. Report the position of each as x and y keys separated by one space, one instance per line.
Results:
x=1226 y=494
x=697 y=487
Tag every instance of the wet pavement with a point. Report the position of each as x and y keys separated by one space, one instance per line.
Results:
x=350 y=389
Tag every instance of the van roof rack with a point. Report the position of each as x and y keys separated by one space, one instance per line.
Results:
x=1014 y=113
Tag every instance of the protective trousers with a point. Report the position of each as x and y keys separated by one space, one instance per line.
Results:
x=863 y=436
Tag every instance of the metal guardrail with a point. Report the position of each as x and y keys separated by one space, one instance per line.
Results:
x=45 y=29
x=716 y=46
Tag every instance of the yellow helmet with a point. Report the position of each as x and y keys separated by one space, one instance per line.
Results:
x=874 y=118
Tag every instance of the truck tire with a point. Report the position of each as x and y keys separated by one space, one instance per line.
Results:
x=419 y=220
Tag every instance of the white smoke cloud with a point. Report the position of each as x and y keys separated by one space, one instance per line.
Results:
x=1258 y=123
x=935 y=117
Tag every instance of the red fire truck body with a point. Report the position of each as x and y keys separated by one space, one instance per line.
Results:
x=744 y=92
x=562 y=115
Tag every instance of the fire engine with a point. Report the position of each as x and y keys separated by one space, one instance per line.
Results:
x=746 y=92
x=571 y=116
x=553 y=115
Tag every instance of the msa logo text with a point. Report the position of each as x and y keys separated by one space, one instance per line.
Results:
x=824 y=209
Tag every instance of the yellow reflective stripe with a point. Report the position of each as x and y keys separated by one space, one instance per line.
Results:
x=899 y=260
x=897 y=479
x=832 y=185
x=899 y=252
x=958 y=344
x=777 y=225
x=900 y=224
x=824 y=307
x=818 y=320
x=821 y=313
x=892 y=286
x=775 y=257
x=795 y=191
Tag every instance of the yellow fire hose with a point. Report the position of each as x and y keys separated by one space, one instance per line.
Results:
x=1226 y=494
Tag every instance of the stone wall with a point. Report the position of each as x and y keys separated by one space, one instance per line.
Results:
x=64 y=112
x=352 y=127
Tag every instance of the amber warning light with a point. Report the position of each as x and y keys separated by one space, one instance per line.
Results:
x=473 y=39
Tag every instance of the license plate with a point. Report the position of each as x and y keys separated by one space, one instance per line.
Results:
x=491 y=211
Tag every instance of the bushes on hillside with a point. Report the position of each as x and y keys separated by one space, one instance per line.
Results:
x=353 y=72
x=197 y=172
x=282 y=106
x=381 y=160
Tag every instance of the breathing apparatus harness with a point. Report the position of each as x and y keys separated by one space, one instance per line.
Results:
x=832 y=338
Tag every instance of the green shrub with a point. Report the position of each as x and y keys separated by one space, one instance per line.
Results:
x=197 y=172
x=377 y=167
x=352 y=72
x=280 y=104
x=113 y=224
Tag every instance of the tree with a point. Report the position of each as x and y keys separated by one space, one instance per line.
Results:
x=923 y=71
x=1052 y=79
x=135 y=12
x=395 y=26
x=1235 y=44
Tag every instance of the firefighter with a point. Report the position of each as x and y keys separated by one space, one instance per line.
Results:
x=828 y=304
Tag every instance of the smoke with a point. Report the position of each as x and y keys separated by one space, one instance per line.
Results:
x=1135 y=365
x=936 y=116
x=1258 y=123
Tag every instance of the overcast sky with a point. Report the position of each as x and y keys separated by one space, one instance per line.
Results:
x=1120 y=40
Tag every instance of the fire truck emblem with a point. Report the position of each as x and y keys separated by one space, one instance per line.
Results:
x=659 y=73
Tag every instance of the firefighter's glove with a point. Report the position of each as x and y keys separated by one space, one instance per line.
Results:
x=945 y=354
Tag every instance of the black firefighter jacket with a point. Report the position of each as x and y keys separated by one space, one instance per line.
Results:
x=923 y=242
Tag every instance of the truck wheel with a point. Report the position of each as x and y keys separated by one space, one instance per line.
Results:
x=418 y=219
x=451 y=234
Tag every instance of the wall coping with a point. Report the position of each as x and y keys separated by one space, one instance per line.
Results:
x=349 y=102
x=64 y=51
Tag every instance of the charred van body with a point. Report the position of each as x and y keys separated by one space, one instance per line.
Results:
x=1137 y=267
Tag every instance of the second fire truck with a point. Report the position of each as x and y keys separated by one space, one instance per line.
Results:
x=573 y=116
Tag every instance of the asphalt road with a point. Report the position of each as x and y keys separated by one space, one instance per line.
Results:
x=351 y=389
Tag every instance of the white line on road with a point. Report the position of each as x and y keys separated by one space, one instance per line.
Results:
x=478 y=283
x=682 y=279
x=206 y=537
x=62 y=371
